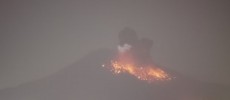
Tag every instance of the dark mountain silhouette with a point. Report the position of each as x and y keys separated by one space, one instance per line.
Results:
x=87 y=80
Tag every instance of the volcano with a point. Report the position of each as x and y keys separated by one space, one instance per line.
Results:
x=87 y=80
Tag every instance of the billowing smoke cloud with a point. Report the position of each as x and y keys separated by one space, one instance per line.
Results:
x=124 y=48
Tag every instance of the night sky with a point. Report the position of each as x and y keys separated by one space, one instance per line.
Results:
x=42 y=37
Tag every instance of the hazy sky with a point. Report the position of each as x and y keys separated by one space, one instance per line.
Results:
x=40 y=37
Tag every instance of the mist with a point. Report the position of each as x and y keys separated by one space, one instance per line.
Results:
x=41 y=38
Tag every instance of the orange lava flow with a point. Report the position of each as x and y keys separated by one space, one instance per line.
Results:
x=146 y=73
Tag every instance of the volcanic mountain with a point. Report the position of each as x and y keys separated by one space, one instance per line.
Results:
x=87 y=80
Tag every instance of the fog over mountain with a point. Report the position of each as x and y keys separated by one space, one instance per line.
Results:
x=53 y=50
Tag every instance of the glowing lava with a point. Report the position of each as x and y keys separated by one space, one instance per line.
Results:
x=128 y=62
x=147 y=73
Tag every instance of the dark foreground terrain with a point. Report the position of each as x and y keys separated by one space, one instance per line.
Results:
x=87 y=80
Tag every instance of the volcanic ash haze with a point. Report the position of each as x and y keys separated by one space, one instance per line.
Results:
x=134 y=58
x=88 y=80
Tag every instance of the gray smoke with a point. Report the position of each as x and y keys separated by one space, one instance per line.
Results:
x=124 y=48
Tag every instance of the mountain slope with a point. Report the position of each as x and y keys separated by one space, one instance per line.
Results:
x=87 y=80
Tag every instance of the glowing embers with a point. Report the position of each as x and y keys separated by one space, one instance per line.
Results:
x=131 y=61
x=147 y=73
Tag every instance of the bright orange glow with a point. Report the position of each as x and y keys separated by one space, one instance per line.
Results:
x=128 y=62
x=147 y=73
